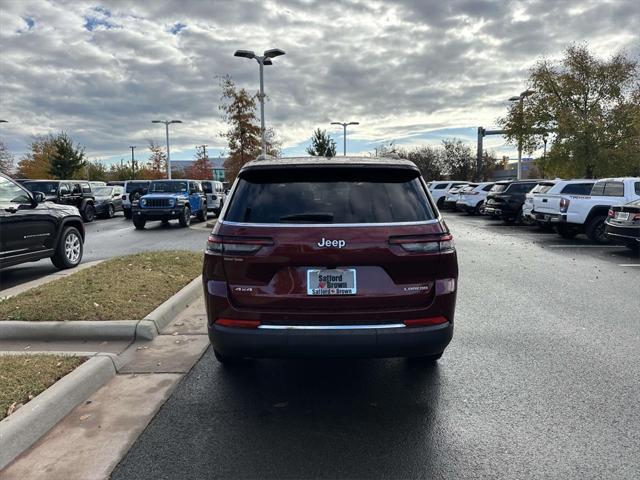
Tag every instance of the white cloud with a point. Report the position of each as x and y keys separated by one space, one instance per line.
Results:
x=102 y=70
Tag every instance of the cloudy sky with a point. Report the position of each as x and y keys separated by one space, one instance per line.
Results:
x=411 y=71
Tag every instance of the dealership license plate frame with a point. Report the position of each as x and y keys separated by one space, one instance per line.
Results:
x=313 y=282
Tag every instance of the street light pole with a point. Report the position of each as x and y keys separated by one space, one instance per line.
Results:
x=166 y=124
x=520 y=99
x=264 y=59
x=344 y=135
x=133 y=163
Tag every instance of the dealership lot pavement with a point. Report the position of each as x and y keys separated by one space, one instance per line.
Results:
x=541 y=380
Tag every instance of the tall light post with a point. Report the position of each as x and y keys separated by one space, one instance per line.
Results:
x=133 y=162
x=263 y=60
x=344 y=136
x=520 y=98
x=166 y=124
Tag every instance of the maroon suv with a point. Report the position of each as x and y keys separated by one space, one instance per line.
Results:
x=330 y=257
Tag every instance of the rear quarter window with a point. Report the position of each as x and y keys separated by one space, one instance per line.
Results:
x=440 y=186
x=578 y=188
x=331 y=195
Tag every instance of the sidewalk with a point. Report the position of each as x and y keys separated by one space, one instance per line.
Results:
x=90 y=441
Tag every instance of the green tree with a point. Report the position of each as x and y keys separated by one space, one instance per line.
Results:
x=6 y=159
x=122 y=171
x=428 y=159
x=95 y=170
x=458 y=159
x=592 y=107
x=322 y=145
x=66 y=159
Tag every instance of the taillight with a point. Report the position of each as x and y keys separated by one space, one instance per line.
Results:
x=611 y=213
x=564 y=205
x=636 y=217
x=425 y=243
x=227 y=245
x=229 y=322
x=425 y=322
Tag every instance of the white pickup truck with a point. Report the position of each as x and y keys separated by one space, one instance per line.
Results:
x=574 y=212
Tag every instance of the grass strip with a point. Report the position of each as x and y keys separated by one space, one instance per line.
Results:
x=124 y=288
x=22 y=377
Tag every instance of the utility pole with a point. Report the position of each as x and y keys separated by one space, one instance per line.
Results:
x=204 y=150
x=133 y=163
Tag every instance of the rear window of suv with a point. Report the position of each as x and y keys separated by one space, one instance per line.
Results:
x=329 y=195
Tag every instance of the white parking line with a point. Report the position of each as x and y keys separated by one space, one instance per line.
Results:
x=629 y=264
x=585 y=246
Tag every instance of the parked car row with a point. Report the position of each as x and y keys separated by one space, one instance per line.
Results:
x=605 y=210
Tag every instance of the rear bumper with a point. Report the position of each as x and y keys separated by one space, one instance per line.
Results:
x=549 y=217
x=617 y=233
x=369 y=342
x=329 y=334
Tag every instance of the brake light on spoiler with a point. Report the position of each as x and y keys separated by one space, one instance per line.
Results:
x=228 y=245
x=425 y=243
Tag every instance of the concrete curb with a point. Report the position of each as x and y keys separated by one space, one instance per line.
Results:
x=147 y=328
x=24 y=427
x=165 y=313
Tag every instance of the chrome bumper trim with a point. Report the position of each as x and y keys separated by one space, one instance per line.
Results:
x=332 y=327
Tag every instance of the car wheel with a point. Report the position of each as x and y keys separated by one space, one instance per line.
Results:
x=185 y=218
x=69 y=249
x=440 y=203
x=427 y=359
x=565 y=231
x=478 y=210
x=111 y=211
x=89 y=213
x=139 y=222
x=202 y=214
x=228 y=361
x=127 y=214
x=596 y=230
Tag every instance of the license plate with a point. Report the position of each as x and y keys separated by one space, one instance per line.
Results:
x=331 y=282
x=622 y=216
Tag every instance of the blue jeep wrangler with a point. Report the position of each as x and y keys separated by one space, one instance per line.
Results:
x=169 y=199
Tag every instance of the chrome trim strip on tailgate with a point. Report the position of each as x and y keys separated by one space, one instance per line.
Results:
x=332 y=327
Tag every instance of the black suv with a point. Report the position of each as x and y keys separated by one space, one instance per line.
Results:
x=32 y=229
x=67 y=192
x=506 y=199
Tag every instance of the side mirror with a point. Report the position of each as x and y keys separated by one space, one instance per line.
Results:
x=38 y=197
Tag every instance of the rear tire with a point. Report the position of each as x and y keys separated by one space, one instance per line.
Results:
x=478 y=209
x=596 y=230
x=185 y=218
x=69 y=249
x=567 y=232
x=427 y=359
x=226 y=360
x=111 y=211
x=88 y=213
x=139 y=222
x=202 y=214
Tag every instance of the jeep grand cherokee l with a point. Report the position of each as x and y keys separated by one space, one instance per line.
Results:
x=316 y=257
x=32 y=229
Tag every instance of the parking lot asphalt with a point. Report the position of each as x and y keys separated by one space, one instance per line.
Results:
x=542 y=380
x=106 y=238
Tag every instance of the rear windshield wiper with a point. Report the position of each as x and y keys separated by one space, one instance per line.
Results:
x=308 y=217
